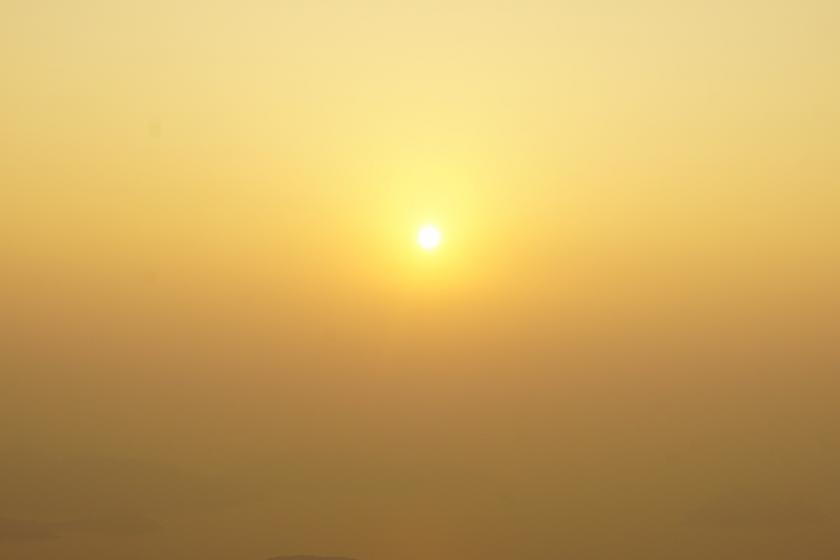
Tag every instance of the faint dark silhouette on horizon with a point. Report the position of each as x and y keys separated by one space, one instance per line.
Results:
x=310 y=557
x=30 y=530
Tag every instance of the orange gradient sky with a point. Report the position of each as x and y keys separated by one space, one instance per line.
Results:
x=220 y=340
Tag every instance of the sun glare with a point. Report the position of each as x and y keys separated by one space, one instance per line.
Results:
x=429 y=237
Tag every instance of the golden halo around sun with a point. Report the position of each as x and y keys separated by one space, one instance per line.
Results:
x=429 y=237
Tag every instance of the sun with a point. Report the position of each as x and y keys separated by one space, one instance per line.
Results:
x=429 y=237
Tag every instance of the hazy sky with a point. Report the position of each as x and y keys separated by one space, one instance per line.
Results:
x=220 y=341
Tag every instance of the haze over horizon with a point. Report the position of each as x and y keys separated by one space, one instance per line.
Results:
x=617 y=339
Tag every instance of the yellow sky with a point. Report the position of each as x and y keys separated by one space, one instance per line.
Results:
x=214 y=314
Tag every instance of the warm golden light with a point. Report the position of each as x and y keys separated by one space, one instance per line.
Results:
x=429 y=237
x=420 y=279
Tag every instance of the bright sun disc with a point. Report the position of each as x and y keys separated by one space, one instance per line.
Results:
x=429 y=237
